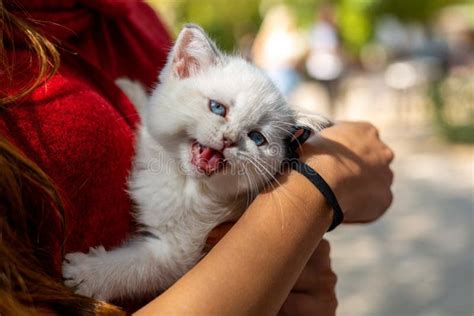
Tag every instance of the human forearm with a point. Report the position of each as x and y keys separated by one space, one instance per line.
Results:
x=254 y=266
x=252 y=269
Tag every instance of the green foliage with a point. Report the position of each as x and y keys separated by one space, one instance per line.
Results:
x=228 y=20
x=304 y=10
x=412 y=10
x=355 y=23
x=225 y=21
x=459 y=134
x=451 y=132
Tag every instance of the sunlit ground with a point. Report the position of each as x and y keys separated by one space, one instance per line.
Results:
x=418 y=259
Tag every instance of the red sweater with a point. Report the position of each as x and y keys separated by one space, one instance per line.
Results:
x=79 y=127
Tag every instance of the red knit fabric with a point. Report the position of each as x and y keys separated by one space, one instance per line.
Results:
x=79 y=127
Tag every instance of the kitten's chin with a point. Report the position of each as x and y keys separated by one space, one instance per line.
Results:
x=198 y=173
x=226 y=184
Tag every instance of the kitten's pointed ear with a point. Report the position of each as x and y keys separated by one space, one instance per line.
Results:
x=192 y=52
x=316 y=122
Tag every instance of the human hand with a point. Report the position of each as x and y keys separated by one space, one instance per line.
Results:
x=314 y=292
x=354 y=161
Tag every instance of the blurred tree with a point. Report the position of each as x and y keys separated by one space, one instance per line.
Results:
x=225 y=21
x=415 y=10
x=228 y=21
x=355 y=23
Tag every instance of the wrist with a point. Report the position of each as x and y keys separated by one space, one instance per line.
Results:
x=318 y=181
x=330 y=170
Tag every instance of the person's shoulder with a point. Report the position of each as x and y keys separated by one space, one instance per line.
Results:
x=73 y=117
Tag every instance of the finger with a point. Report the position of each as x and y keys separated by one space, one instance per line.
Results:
x=302 y=304
x=307 y=281
x=323 y=249
x=388 y=154
x=317 y=275
x=299 y=304
x=375 y=132
x=388 y=199
x=321 y=255
x=390 y=176
x=385 y=201
x=385 y=177
x=315 y=284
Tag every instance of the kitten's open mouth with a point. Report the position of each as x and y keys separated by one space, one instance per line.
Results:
x=207 y=160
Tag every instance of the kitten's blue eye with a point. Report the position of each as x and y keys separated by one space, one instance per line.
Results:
x=257 y=138
x=217 y=108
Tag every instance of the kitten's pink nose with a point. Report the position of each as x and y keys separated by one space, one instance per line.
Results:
x=227 y=143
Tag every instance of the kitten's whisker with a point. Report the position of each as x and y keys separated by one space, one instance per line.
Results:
x=254 y=190
x=284 y=191
x=249 y=159
x=250 y=184
x=255 y=186
x=254 y=159
x=238 y=186
x=260 y=162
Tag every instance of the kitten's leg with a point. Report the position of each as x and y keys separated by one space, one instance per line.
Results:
x=143 y=266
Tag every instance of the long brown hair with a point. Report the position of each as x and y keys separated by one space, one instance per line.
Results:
x=25 y=287
x=42 y=49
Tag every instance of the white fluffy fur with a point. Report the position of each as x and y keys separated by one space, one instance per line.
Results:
x=177 y=205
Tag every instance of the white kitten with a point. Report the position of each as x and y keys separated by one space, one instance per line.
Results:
x=212 y=136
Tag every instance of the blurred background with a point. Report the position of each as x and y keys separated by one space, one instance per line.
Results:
x=408 y=67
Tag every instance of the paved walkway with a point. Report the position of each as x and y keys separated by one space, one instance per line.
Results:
x=419 y=258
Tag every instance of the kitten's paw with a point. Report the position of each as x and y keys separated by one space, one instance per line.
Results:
x=81 y=272
x=97 y=251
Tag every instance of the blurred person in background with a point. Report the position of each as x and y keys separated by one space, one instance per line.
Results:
x=324 y=62
x=278 y=47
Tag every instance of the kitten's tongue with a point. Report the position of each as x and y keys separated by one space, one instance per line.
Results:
x=207 y=159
